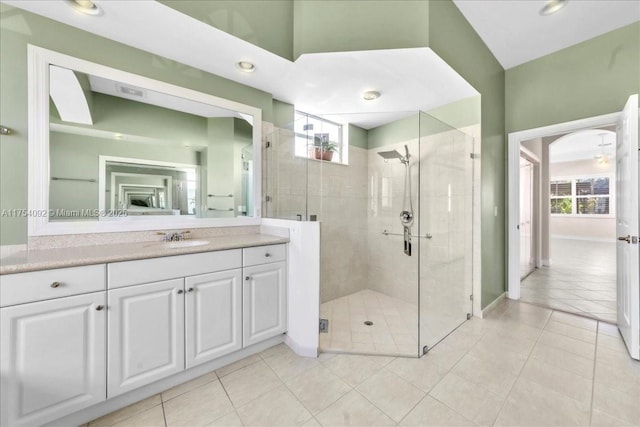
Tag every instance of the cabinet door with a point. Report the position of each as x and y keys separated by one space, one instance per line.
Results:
x=264 y=302
x=213 y=315
x=146 y=334
x=52 y=358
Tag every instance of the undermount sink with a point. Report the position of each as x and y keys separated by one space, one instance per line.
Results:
x=185 y=244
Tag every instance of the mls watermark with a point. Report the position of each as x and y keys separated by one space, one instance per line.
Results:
x=63 y=213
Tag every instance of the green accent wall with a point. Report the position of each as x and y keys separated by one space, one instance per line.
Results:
x=455 y=41
x=264 y=23
x=398 y=131
x=591 y=78
x=283 y=114
x=358 y=137
x=459 y=114
x=350 y=25
x=19 y=28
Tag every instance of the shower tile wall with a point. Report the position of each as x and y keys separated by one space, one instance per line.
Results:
x=337 y=196
x=391 y=271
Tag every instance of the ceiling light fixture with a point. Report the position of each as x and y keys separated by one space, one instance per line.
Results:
x=552 y=6
x=86 y=6
x=371 y=95
x=246 y=66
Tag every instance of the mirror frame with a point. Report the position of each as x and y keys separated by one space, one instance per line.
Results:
x=39 y=60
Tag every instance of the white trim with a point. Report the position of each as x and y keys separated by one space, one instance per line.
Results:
x=513 y=188
x=545 y=262
x=39 y=60
x=488 y=309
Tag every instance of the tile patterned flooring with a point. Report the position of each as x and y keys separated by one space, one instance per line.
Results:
x=581 y=279
x=522 y=365
x=394 y=330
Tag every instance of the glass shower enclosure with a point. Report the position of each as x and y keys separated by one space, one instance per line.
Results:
x=395 y=213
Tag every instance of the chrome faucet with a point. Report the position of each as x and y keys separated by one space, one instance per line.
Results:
x=178 y=236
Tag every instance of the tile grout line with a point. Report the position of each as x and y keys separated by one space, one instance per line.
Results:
x=593 y=383
x=164 y=415
x=506 y=398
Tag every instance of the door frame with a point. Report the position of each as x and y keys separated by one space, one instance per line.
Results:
x=513 y=185
x=533 y=159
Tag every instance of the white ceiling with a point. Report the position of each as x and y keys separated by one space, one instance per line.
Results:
x=516 y=33
x=582 y=145
x=409 y=79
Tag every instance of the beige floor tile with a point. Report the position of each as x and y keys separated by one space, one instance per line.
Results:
x=431 y=413
x=608 y=328
x=612 y=342
x=571 y=331
x=188 y=386
x=250 y=382
x=559 y=380
x=572 y=345
x=612 y=401
x=390 y=393
x=198 y=407
x=573 y=320
x=423 y=373
x=352 y=369
x=288 y=365
x=602 y=419
x=381 y=360
x=353 y=410
x=317 y=388
x=230 y=420
x=153 y=417
x=312 y=423
x=226 y=370
x=571 y=362
x=530 y=404
x=361 y=337
x=493 y=353
x=127 y=412
x=276 y=350
x=502 y=342
x=469 y=399
x=624 y=377
x=493 y=377
x=277 y=408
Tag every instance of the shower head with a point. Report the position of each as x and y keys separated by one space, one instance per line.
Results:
x=390 y=154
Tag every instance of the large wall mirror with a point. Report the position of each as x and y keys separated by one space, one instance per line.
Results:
x=114 y=151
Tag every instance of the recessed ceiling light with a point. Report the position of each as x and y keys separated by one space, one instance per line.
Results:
x=86 y=6
x=553 y=6
x=371 y=95
x=246 y=66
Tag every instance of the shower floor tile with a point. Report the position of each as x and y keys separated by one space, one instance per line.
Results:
x=394 y=328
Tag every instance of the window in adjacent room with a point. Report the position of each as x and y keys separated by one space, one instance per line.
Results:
x=581 y=196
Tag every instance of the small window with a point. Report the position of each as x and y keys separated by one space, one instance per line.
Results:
x=581 y=196
x=320 y=139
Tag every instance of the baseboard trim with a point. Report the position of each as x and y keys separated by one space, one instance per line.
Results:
x=300 y=350
x=584 y=239
x=488 y=309
x=545 y=262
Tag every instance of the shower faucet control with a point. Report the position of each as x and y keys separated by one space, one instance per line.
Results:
x=406 y=217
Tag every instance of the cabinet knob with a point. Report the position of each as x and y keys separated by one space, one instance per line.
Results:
x=100 y=307
x=190 y=290
x=180 y=291
x=247 y=278
x=267 y=254
x=56 y=284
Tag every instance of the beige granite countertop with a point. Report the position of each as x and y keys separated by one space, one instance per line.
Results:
x=44 y=259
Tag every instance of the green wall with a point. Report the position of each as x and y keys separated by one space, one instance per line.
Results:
x=455 y=41
x=264 y=23
x=17 y=29
x=349 y=25
x=591 y=78
x=358 y=137
x=400 y=130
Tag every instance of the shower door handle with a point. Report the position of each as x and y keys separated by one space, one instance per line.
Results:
x=407 y=241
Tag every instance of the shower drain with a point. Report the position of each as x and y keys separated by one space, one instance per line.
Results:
x=368 y=322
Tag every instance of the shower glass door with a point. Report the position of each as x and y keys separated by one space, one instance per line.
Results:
x=446 y=208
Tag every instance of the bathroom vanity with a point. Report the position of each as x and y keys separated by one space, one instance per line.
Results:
x=117 y=331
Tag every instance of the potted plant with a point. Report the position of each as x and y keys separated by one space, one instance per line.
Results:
x=323 y=148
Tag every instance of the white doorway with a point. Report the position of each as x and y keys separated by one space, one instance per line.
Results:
x=527 y=218
x=627 y=290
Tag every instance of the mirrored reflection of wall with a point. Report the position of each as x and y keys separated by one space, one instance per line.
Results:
x=118 y=120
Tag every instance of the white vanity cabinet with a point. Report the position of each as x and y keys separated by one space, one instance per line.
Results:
x=146 y=338
x=264 y=293
x=213 y=318
x=52 y=353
